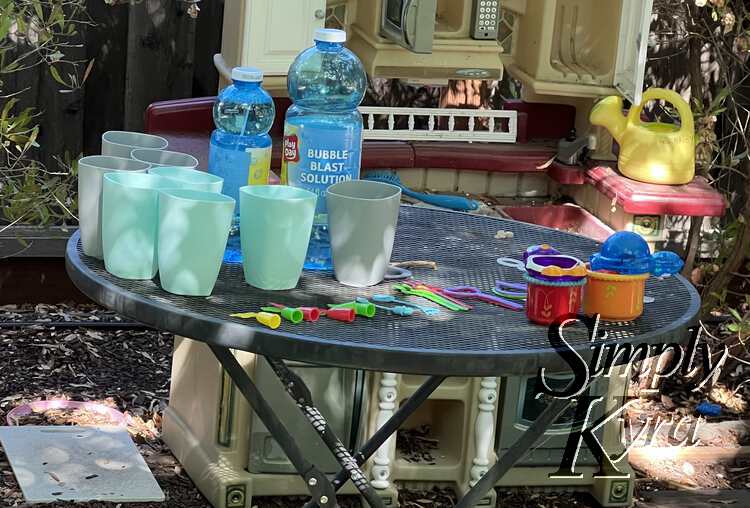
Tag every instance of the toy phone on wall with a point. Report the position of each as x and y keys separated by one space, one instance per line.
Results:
x=485 y=19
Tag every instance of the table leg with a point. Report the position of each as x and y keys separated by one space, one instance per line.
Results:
x=297 y=389
x=317 y=482
x=386 y=430
x=514 y=453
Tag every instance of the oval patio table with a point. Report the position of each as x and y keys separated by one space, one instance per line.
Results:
x=487 y=341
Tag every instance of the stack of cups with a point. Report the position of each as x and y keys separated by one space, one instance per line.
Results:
x=146 y=210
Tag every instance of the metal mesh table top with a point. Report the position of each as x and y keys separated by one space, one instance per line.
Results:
x=486 y=341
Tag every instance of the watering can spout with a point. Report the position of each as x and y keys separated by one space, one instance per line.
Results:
x=608 y=114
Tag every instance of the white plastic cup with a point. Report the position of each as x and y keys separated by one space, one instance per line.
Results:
x=122 y=143
x=90 y=172
x=164 y=158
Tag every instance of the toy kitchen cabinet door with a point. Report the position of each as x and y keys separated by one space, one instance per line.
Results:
x=269 y=34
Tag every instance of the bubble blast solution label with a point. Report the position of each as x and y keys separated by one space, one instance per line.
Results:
x=317 y=158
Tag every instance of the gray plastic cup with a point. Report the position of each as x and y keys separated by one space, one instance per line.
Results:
x=164 y=158
x=362 y=220
x=192 y=179
x=90 y=171
x=122 y=143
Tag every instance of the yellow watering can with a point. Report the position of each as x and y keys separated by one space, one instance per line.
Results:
x=650 y=152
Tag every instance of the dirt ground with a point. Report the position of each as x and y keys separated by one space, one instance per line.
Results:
x=129 y=369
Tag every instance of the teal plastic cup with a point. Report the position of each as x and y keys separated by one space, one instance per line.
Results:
x=193 y=231
x=130 y=220
x=275 y=226
x=190 y=178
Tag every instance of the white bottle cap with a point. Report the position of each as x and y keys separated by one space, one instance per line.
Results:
x=250 y=74
x=330 y=35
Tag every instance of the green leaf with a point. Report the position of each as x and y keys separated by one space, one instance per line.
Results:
x=720 y=97
x=733 y=327
x=735 y=314
x=38 y=10
x=8 y=106
x=11 y=66
x=57 y=16
x=32 y=137
x=5 y=22
x=56 y=76
x=43 y=215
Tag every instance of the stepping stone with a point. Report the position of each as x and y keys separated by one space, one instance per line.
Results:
x=78 y=464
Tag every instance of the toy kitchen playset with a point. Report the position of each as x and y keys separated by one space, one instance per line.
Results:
x=576 y=60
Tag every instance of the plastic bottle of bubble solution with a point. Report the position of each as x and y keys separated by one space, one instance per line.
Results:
x=240 y=150
x=323 y=129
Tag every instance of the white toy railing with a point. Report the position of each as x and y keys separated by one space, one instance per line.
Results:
x=482 y=124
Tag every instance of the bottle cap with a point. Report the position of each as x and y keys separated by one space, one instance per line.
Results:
x=330 y=35
x=249 y=74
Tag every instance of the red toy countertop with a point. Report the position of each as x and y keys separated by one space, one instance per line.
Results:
x=399 y=154
x=375 y=154
x=187 y=124
x=696 y=198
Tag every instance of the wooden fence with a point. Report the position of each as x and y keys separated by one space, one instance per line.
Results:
x=143 y=52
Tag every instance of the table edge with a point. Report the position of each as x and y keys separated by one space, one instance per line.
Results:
x=289 y=346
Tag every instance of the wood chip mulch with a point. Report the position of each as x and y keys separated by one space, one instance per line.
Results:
x=426 y=499
x=416 y=445
x=130 y=368
x=126 y=369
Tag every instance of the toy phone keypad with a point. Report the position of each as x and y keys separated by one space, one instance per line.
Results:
x=486 y=19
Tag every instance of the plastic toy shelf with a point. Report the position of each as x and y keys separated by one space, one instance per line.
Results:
x=695 y=199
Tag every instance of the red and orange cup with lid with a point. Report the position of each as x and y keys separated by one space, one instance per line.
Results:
x=554 y=285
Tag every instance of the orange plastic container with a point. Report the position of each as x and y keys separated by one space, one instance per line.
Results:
x=613 y=296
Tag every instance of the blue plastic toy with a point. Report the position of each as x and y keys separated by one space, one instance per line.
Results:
x=708 y=409
x=627 y=253
x=399 y=310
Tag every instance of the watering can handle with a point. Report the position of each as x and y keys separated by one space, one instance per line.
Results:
x=683 y=108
